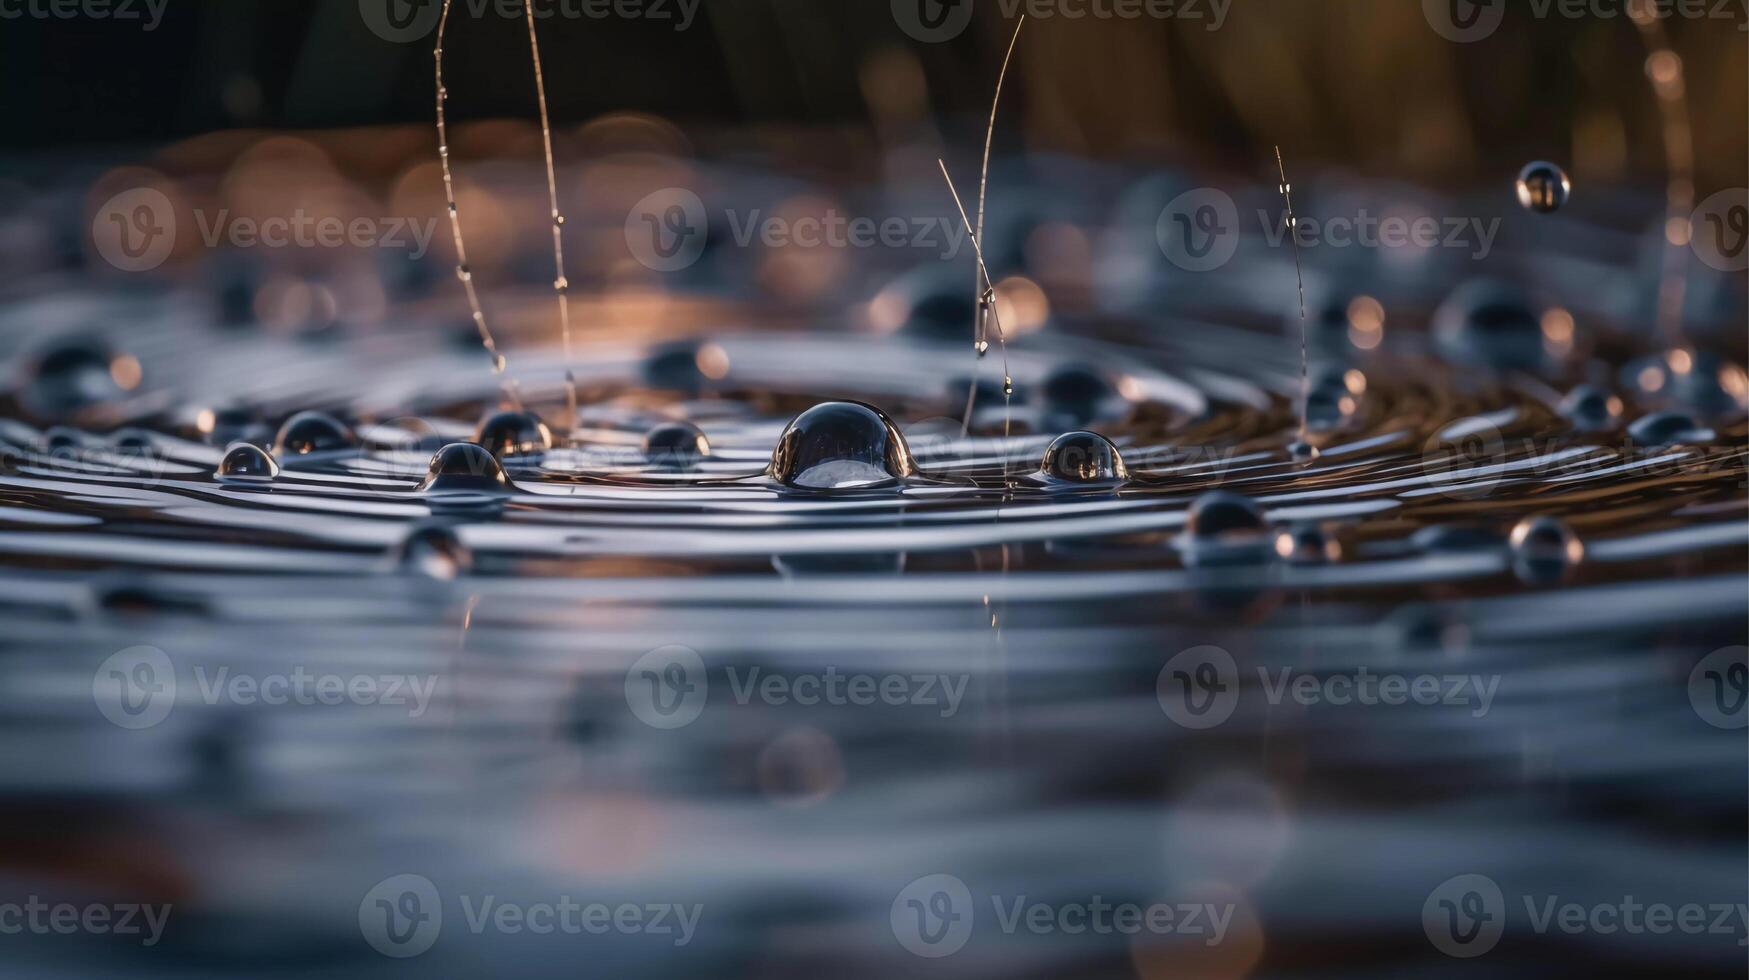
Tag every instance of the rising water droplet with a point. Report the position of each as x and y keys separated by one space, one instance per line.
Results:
x=247 y=462
x=313 y=432
x=1083 y=457
x=676 y=445
x=1543 y=187
x=514 y=434
x=841 y=445
x=463 y=467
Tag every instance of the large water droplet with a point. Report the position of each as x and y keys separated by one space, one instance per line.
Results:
x=1544 y=549
x=1083 y=457
x=313 y=432
x=841 y=445
x=1543 y=187
x=247 y=462
x=1668 y=429
x=463 y=467
x=514 y=434
x=1491 y=324
x=676 y=445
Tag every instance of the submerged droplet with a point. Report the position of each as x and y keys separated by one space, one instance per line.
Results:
x=676 y=445
x=514 y=434
x=1083 y=457
x=463 y=467
x=1591 y=409
x=247 y=462
x=1544 y=549
x=1223 y=514
x=841 y=445
x=1543 y=187
x=433 y=550
x=313 y=432
x=1491 y=324
x=1668 y=429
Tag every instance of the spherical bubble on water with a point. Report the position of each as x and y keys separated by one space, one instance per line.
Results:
x=1083 y=457
x=841 y=445
x=676 y=445
x=1075 y=394
x=463 y=467
x=246 y=461
x=69 y=376
x=1223 y=514
x=1544 y=549
x=1668 y=429
x=1591 y=409
x=313 y=432
x=432 y=549
x=1491 y=324
x=514 y=434
x=1306 y=544
x=1543 y=187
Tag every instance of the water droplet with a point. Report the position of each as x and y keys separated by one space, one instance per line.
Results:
x=1083 y=457
x=1491 y=324
x=841 y=445
x=134 y=442
x=313 y=432
x=676 y=445
x=1456 y=537
x=1222 y=513
x=1591 y=409
x=62 y=438
x=674 y=367
x=1544 y=549
x=514 y=434
x=1543 y=187
x=463 y=467
x=1333 y=397
x=982 y=347
x=1306 y=544
x=70 y=376
x=225 y=425
x=1075 y=395
x=432 y=549
x=246 y=462
x=464 y=273
x=1302 y=452
x=1668 y=429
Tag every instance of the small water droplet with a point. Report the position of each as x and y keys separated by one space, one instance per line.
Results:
x=1302 y=452
x=841 y=445
x=463 y=467
x=313 y=432
x=1591 y=409
x=676 y=445
x=1543 y=187
x=464 y=273
x=1491 y=324
x=432 y=550
x=247 y=462
x=514 y=434
x=1306 y=544
x=1544 y=549
x=1083 y=457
